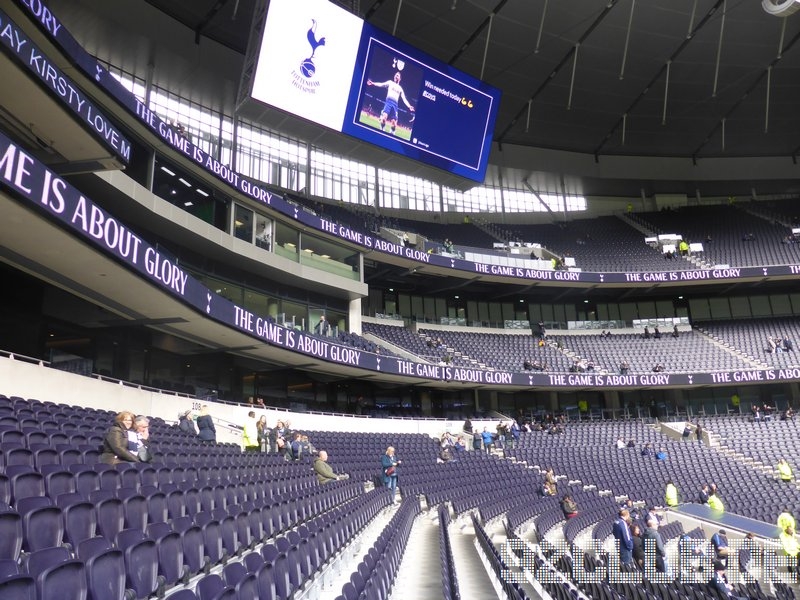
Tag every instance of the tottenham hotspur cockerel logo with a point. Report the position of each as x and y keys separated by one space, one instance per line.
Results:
x=307 y=67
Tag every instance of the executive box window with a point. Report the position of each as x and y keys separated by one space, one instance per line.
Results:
x=181 y=189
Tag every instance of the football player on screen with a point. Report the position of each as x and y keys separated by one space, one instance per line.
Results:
x=394 y=91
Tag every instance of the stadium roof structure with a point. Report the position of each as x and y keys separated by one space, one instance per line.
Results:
x=694 y=79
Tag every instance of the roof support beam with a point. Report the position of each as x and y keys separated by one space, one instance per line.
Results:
x=486 y=23
x=666 y=94
x=609 y=6
x=749 y=90
x=627 y=41
x=397 y=17
x=541 y=28
x=572 y=77
x=486 y=46
x=657 y=76
x=719 y=47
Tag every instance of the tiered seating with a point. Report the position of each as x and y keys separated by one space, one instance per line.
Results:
x=406 y=339
x=727 y=226
x=379 y=565
x=766 y=442
x=691 y=352
x=449 y=578
x=496 y=562
x=600 y=244
x=145 y=527
x=750 y=337
x=587 y=452
x=461 y=234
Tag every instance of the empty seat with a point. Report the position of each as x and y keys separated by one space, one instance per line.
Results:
x=18 y=587
x=105 y=575
x=212 y=587
x=65 y=581
x=42 y=527
x=10 y=535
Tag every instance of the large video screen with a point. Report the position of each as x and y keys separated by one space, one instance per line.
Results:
x=321 y=63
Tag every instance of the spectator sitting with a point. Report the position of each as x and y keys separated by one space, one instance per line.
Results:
x=186 y=423
x=624 y=367
x=569 y=507
x=648 y=450
x=446 y=454
x=460 y=445
x=527 y=365
x=116 y=441
x=139 y=439
x=631 y=443
x=620 y=442
x=324 y=471
x=661 y=454
x=659 y=368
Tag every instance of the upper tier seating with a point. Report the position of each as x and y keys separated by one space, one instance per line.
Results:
x=727 y=227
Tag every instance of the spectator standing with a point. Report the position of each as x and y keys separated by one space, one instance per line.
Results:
x=715 y=502
x=323 y=327
x=785 y=471
x=622 y=533
x=651 y=536
x=477 y=440
x=719 y=542
x=785 y=519
x=671 y=494
x=390 y=465
x=790 y=547
x=262 y=432
x=488 y=439
x=205 y=423
x=638 y=545
x=250 y=433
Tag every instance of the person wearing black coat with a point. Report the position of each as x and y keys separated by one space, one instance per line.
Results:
x=115 y=442
x=205 y=423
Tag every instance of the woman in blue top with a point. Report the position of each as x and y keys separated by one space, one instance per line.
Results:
x=390 y=463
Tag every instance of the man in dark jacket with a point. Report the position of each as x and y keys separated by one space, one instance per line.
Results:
x=652 y=538
x=186 y=424
x=622 y=533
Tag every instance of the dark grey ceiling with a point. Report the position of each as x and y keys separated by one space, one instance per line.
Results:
x=691 y=78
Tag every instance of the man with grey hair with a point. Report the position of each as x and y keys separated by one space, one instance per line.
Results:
x=139 y=439
x=651 y=533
